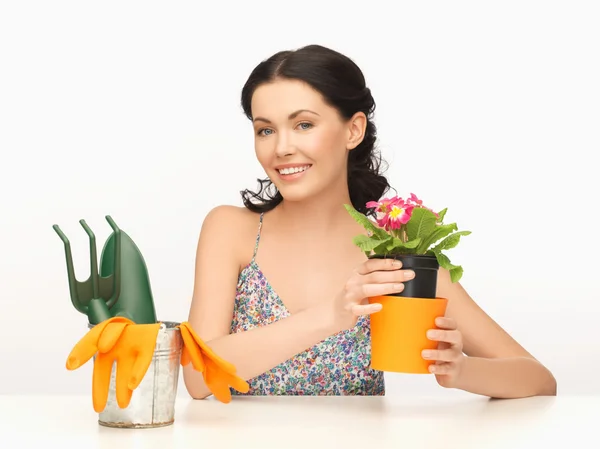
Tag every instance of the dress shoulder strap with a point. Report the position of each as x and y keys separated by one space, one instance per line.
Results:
x=260 y=221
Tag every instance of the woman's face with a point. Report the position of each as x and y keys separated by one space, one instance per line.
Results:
x=301 y=142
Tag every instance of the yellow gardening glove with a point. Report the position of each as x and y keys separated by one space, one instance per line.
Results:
x=118 y=340
x=218 y=374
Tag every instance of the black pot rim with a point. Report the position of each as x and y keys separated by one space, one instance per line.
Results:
x=413 y=261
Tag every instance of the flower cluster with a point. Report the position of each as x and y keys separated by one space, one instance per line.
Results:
x=406 y=226
x=394 y=212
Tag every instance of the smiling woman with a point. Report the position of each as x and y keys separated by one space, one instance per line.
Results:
x=309 y=104
x=280 y=289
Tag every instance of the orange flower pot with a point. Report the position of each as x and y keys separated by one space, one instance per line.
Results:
x=399 y=332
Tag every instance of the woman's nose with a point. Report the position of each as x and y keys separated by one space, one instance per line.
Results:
x=284 y=146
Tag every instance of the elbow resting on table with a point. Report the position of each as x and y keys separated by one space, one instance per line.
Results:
x=550 y=387
x=194 y=383
x=504 y=378
x=541 y=376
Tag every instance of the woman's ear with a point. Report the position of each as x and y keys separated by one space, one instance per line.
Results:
x=357 y=127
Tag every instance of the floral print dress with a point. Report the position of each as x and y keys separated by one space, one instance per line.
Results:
x=338 y=365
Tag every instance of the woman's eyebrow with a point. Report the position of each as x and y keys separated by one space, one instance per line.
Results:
x=292 y=116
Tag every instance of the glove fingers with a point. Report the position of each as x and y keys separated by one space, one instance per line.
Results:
x=124 y=370
x=185 y=356
x=206 y=351
x=216 y=384
x=146 y=339
x=237 y=383
x=101 y=381
x=85 y=348
x=220 y=362
x=233 y=380
x=111 y=333
x=193 y=350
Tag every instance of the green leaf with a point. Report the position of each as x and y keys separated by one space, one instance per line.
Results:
x=442 y=214
x=381 y=249
x=443 y=260
x=364 y=221
x=398 y=246
x=450 y=241
x=438 y=233
x=366 y=243
x=456 y=271
x=412 y=243
x=422 y=223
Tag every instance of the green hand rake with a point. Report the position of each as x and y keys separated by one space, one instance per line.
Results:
x=95 y=296
x=120 y=288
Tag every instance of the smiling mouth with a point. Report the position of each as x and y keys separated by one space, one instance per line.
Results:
x=293 y=170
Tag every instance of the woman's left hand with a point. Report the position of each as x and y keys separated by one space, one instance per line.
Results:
x=449 y=357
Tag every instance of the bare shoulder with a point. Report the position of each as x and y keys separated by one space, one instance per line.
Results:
x=226 y=218
x=232 y=228
x=223 y=245
x=224 y=215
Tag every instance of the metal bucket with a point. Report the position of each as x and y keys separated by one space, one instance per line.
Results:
x=153 y=401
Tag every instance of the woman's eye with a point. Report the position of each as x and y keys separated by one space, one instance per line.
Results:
x=305 y=125
x=263 y=132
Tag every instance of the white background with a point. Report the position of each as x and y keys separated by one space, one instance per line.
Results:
x=132 y=109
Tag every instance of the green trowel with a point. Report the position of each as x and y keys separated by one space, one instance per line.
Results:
x=120 y=288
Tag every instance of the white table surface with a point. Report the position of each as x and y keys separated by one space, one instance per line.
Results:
x=409 y=422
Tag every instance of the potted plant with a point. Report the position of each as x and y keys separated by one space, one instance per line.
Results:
x=406 y=230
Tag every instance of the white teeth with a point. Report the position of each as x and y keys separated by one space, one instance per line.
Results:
x=292 y=170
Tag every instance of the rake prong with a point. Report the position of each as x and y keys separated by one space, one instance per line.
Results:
x=93 y=258
x=117 y=266
x=70 y=271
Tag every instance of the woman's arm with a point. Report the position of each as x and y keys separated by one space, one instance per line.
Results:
x=255 y=351
x=497 y=365
x=506 y=378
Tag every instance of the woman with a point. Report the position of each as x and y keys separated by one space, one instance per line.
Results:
x=280 y=289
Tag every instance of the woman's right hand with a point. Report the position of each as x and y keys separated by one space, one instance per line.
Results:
x=374 y=277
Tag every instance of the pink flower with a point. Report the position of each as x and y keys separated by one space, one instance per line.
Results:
x=384 y=205
x=416 y=202
x=391 y=212
x=397 y=216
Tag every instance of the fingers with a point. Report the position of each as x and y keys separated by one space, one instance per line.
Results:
x=379 y=277
x=453 y=337
x=218 y=374
x=111 y=334
x=449 y=352
x=231 y=379
x=441 y=355
x=216 y=382
x=91 y=341
x=220 y=363
x=124 y=370
x=219 y=382
x=193 y=351
x=206 y=351
x=370 y=290
x=237 y=383
x=85 y=348
x=446 y=323
x=388 y=277
x=101 y=381
x=147 y=343
x=223 y=378
x=185 y=356
x=367 y=309
x=442 y=369
x=371 y=265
